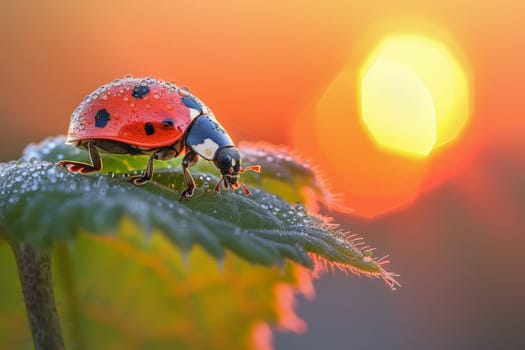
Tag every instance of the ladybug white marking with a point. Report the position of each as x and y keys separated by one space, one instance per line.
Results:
x=194 y=113
x=207 y=149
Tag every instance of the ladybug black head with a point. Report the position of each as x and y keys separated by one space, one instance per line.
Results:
x=228 y=160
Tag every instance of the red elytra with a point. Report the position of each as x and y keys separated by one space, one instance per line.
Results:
x=113 y=113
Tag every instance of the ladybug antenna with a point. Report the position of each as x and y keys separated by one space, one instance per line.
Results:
x=256 y=168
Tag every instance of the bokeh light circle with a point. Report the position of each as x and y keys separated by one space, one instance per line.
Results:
x=414 y=94
x=419 y=95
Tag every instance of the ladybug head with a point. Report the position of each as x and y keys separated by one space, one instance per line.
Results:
x=228 y=160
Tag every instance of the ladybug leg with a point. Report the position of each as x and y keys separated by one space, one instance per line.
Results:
x=189 y=160
x=84 y=168
x=148 y=173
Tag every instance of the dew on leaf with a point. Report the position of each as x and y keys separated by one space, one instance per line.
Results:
x=269 y=236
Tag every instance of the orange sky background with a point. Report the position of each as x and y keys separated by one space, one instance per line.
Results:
x=262 y=68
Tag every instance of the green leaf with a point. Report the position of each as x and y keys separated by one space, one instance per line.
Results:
x=151 y=262
x=43 y=203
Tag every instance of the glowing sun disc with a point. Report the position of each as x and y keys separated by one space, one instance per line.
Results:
x=414 y=95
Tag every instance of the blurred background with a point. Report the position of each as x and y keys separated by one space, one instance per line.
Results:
x=412 y=110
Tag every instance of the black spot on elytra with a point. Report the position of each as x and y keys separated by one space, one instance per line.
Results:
x=168 y=123
x=149 y=128
x=101 y=118
x=139 y=91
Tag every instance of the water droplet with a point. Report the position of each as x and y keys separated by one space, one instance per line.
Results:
x=184 y=91
x=156 y=96
x=300 y=207
x=264 y=206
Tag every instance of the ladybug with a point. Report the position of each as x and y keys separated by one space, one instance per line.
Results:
x=146 y=116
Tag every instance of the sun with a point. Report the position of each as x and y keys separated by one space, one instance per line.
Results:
x=413 y=95
x=374 y=129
